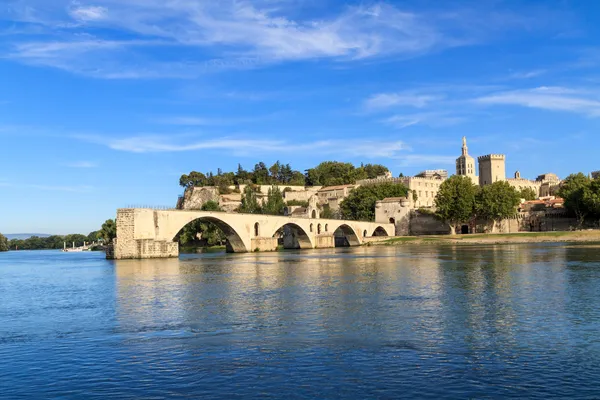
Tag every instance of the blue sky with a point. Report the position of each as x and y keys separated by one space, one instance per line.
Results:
x=105 y=103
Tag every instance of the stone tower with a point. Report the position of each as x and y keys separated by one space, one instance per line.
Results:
x=492 y=168
x=465 y=164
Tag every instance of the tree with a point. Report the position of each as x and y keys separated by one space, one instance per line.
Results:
x=330 y=173
x=108 y=231
x=455 y=201
x=574 y=190
x=375 y=170
x=528 y=194
x=592 y=199
x=249 y=201
x=497 y=201
x=327 y=212
x=211 y=206
x=360 y=203
x=275 y=204
x=3 y=243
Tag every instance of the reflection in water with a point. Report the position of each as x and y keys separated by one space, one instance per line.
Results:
x=411 y=321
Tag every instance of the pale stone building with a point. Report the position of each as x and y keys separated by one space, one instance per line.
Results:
x=334 y=195
x=465 y=164
x=520 y=183
x=433 y=173
x=492 y=168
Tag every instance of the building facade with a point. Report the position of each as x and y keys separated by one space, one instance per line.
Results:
x=492 y=168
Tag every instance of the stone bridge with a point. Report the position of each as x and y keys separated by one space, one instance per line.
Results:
x=148 y=233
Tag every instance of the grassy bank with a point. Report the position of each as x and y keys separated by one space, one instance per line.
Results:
x=521 y=237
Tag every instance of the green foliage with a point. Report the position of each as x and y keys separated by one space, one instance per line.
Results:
x=261 y=175
x=327 y=212
x=108 y=231
x=360 y=203
x=301 y=203
x=455 y=200
x=48 y=243
x=3 y=243
x=528 y=194
x=592 y=199
x=575 y=189
x=497 y=201
x=426 y=211
x=330 y=173
x=249 y=201
x=275 y=204
x=200 y=232
x=211 y=206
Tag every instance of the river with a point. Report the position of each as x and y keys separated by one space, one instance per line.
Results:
x=510 y=321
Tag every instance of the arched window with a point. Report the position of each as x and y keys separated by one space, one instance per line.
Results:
x=326 y=227
x=392 y=221
x=319 y=229
x=311 y=227
x=365 y=233
x=256 y=229
x=314 y=214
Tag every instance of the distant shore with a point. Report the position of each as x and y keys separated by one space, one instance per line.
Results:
x=498 y=238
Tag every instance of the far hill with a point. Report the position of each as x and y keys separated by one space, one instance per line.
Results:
x=23 y=236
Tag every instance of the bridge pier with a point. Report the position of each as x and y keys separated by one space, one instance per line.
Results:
x=324 y=241
x=264 y=244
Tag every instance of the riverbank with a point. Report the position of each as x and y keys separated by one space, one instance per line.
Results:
x=498 y=238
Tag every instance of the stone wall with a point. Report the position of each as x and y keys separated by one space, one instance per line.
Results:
x=426 y=224
x=195 y=197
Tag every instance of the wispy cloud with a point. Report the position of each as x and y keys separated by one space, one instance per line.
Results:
x=432 y=119
x=418 y=160
x=527 y=74
x=229 y=34
x=49 y=188
x=81 y=164
x=548 y=98
x=243 y=146
x=384 y=101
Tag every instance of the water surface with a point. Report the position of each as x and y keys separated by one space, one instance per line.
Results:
x=511 y=321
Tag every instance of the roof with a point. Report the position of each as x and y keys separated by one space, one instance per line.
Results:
x=394 y=199
x=327 y=188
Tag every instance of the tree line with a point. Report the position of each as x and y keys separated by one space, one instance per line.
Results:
x=582 y=197
x=327 y=173
x=106 y=234
x=459 y=201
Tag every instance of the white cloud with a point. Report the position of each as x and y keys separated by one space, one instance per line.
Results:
x=432 y=119
x=226 y=34
x=387 y=100
x=242 y=146
x=81 y=164
x=87 y=13
x=527 y=74
x=548 y=98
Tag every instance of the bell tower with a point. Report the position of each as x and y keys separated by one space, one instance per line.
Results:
x=465 y=164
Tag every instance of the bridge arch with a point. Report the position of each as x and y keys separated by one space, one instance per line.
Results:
x=295 y=236
x=349 y=233
x=234 y=239
x=380 y=231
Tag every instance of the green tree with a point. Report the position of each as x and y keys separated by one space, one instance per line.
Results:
x=327 y=212
x=574 y=190
x=275 y=204
x=375 y=170
x=330 y=173
x=249 y=201
x=497 y=201
x=211 y=206
x=455 y=201
x=108 y=231
x=528 y=194
x=360 y=203
x=3 y=243
x=592 y=199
